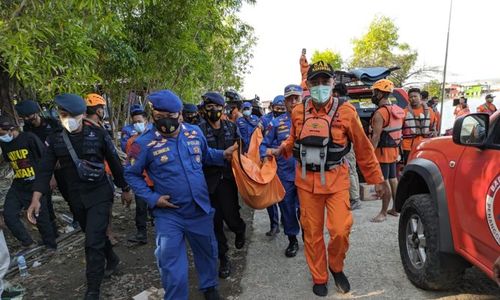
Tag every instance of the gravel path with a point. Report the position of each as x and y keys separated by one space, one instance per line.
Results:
x=373 y=266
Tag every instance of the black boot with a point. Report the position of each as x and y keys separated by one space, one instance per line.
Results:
x=211 y=294
x=320 y=290
x=140 y=237
x=274 y=231
x=224 y=267
x=92 y=295
x=341 y=282
x=293 y=247
x=112 y=260
x=239 y=240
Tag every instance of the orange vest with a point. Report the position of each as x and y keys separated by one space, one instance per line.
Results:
x=130 y=141
x=314 y=148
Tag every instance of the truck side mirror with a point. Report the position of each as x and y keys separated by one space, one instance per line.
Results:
x=471 y=130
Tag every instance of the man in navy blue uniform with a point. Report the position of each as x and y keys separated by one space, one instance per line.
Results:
x=278 y=131
x=190 y=114
x=222 y=134
x=173 y=154
x=129 y=130
x=247 y=124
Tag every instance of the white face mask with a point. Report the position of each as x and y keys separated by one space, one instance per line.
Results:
x=72 y=124
x=6 y=138
x=247 y=112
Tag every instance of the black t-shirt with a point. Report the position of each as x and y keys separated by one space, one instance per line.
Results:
x=23 y=153
x=46 y=128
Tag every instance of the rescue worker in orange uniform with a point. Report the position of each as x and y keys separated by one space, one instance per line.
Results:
x=386 y=133
x=487 y=107
x=420 y=122
x=462 y=108
x=321 y=134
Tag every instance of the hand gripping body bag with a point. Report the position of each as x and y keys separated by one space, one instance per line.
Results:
x=258 y=183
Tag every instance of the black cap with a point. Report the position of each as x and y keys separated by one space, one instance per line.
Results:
x=318 y=68
x=489 y=96
x=7 y=123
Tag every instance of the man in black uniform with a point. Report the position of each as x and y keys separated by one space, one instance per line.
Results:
x=23 y=150
x=42 y=127
x=222 y=134
x=81 y=150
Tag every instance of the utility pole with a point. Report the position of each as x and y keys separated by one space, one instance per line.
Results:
x=445 y=66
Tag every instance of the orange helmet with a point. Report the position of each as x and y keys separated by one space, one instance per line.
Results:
x=384 y=85
x=94 y=100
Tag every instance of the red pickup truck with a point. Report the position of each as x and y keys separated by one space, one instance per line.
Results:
x=449 y=200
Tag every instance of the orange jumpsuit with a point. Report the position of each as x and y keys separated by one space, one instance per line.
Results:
x=314 y=197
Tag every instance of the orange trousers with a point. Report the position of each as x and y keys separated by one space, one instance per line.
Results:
x=338 y=223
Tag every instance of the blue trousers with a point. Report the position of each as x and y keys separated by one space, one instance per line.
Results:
x=172 y=230
x=289 y=208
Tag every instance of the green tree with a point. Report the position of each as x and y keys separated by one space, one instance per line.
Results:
x=434 y=88
x=329 y=56
x=380 y=47
x=120 y=48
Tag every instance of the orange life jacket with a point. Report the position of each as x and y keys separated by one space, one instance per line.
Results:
x=417 y=125
x=392 y=134
x=314 y=148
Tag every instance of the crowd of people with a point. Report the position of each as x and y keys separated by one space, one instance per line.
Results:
x=178 y=167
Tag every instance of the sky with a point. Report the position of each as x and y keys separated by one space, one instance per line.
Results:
x=284 y=27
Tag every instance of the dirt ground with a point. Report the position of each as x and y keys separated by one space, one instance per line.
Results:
x=62 y=276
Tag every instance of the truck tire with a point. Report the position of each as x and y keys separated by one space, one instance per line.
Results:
x=424 y=265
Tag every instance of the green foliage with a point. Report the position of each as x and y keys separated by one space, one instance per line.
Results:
x=434 y=88
x=380 y=47
x=328 y=56
x=49 y=47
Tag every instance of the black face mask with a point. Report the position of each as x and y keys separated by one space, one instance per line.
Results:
x=214 y=115
x=167 y=125
x=278 y=113
x=96 y=110
x=375 y=100
x=191 y=119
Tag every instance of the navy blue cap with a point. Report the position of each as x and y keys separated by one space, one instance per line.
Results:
x=27 y=108
x=279 y=100
x=246 y=105
x=136 y=109
x=213 y=97
x=165 y=100
x=6 y=122
x=293 y=89
x=73 y=104
x=190 y=108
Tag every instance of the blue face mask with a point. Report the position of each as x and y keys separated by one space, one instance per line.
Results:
x=321 y=93
x=247 y=112
x=6 y=138
x=139 y=127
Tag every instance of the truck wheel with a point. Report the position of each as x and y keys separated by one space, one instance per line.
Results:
x=424 y=265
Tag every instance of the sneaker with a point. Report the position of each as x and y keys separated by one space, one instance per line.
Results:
x=293 y=248
x=355 y=204
x=139 y=238
x=211 y=294
x=341 y=282
x=273 y=231
x=224 y=268
x=320 y=290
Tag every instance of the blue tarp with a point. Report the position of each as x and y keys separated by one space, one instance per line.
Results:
x=369 y=75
